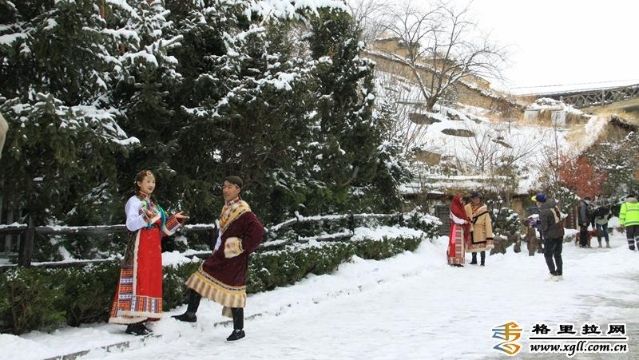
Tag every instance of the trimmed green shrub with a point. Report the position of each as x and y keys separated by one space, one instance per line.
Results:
x=271 y=269
x=385 y=248
x=174 y=292
x=38 y=298
x=88 y=292
x=30 y=299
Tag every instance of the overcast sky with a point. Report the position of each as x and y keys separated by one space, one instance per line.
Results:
x=564 y=42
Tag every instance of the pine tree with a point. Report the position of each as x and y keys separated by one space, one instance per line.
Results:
x=195 y=90
x=348 y=137
x=64 y=138
x=206 y=62
x=392 y=167
x=615 y=159
x=143 y=87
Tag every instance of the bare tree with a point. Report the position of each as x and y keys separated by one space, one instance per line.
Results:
x=367 y=15
x=400 y=100
x=552 y=159
x=502 y=159
x=443 y=47
x=492 y=152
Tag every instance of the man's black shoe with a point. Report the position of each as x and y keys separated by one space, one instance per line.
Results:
x=186 y=317
x=236 y=335
x=137 y=329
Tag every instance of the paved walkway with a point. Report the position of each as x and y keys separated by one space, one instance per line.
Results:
x=431 y=311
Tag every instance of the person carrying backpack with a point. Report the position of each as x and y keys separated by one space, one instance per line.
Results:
x=552 y=227
x=601 y=216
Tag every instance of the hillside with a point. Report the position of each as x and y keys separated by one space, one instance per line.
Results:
x=465 y=146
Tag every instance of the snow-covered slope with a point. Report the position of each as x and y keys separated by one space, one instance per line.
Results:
x=467 y=144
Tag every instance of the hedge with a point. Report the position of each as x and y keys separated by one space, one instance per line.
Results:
x=45 y=299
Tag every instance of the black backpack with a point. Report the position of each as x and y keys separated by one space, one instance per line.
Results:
x=601 y=212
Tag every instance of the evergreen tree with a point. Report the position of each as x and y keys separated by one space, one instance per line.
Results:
x=206 y=61
x=615 y=158
x=142 y=91
x=392 y=167
x=284 y=102
x=195 y=90
x=345 y=154
x=54 y=91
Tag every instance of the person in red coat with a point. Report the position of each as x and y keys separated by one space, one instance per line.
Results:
x=459 y=234
x=138 y=296
x=222 y=276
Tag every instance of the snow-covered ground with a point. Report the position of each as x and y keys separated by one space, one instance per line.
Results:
x=412 y=306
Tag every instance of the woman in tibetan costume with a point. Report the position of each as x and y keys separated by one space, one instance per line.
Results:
x=459 y=234
x=138 y=297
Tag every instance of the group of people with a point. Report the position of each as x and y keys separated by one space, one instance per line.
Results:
x=221 y=277
x=599 y=216
x=471 y=230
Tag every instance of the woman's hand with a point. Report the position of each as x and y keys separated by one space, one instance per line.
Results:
x=180 y=216
x=149 y=216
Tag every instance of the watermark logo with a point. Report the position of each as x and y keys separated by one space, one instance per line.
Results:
x=590 y=338
x=565 y=338
x=509 y=333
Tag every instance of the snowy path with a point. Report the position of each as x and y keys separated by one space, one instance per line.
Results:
x=413 y=306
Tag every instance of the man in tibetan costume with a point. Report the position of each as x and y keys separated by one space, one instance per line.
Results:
x=481 y=228
x=222 y=276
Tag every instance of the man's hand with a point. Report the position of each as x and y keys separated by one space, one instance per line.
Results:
x=233 y=247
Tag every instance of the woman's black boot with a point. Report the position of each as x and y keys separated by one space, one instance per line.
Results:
x=137 y=329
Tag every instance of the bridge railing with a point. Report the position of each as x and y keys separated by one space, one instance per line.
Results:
x=594 y=97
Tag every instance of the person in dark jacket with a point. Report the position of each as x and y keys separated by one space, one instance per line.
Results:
x=601 y=217
x=222 y=276
x=550 y=218
x=584 y=220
